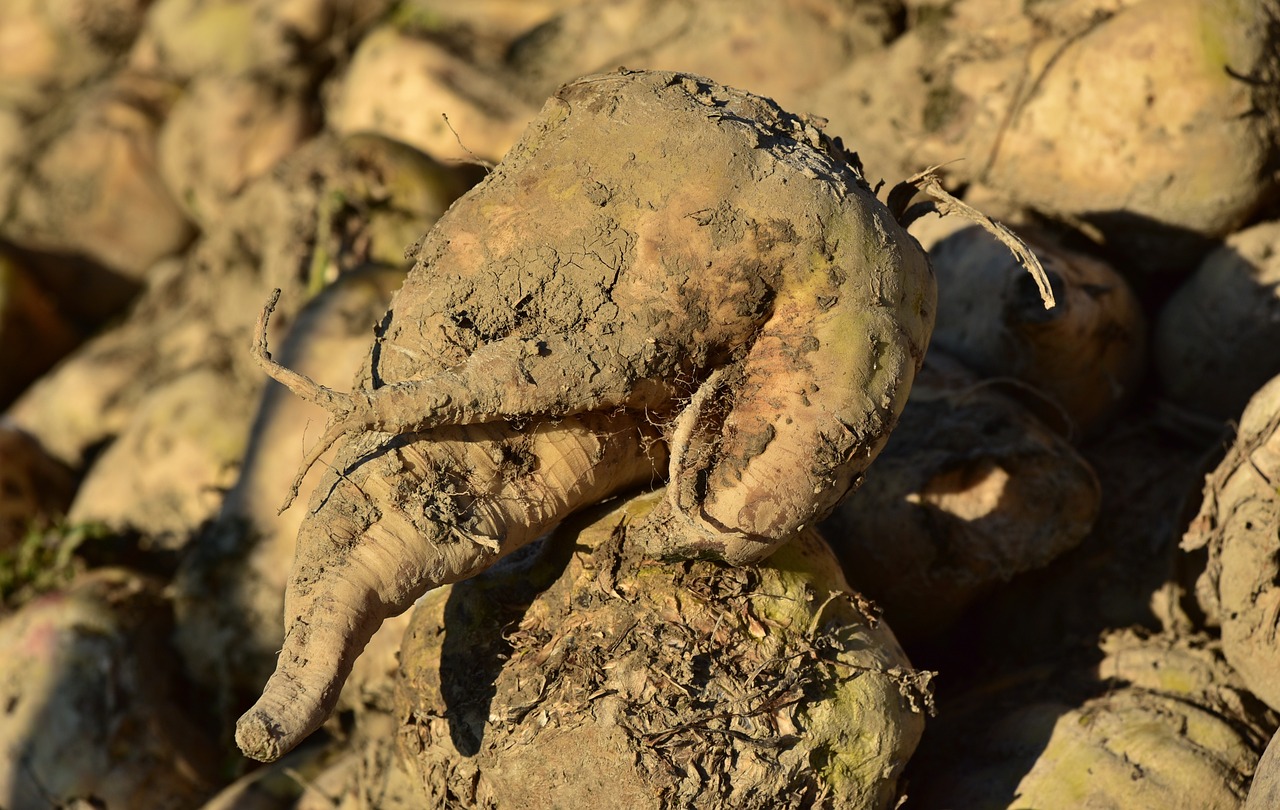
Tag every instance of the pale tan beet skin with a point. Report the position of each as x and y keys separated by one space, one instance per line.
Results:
x=1162 y=722
x=658 y=258
x=1154 y=121
x=1238 y=526
x=1085 y=356
x=971 y=491
x=1264 y=791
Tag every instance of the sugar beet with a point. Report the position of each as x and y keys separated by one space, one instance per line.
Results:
x=659 y=261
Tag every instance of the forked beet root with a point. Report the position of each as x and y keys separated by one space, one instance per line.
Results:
x=660 y=262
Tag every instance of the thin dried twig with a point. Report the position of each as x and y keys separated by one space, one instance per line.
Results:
x=943 y=203
x=335 y=402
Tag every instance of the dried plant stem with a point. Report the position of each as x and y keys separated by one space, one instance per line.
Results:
x=944 y=204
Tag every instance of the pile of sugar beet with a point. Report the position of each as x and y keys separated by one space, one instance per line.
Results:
x=664 y=413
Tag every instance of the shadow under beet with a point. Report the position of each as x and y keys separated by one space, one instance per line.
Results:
x=478 y=615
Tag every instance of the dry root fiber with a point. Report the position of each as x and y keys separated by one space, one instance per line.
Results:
x=427 y=510
x=683 y=684
x=1239 y=527
x=583 y=296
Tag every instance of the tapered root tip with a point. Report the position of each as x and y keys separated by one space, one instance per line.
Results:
x=259 y=737
x=319 y=648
